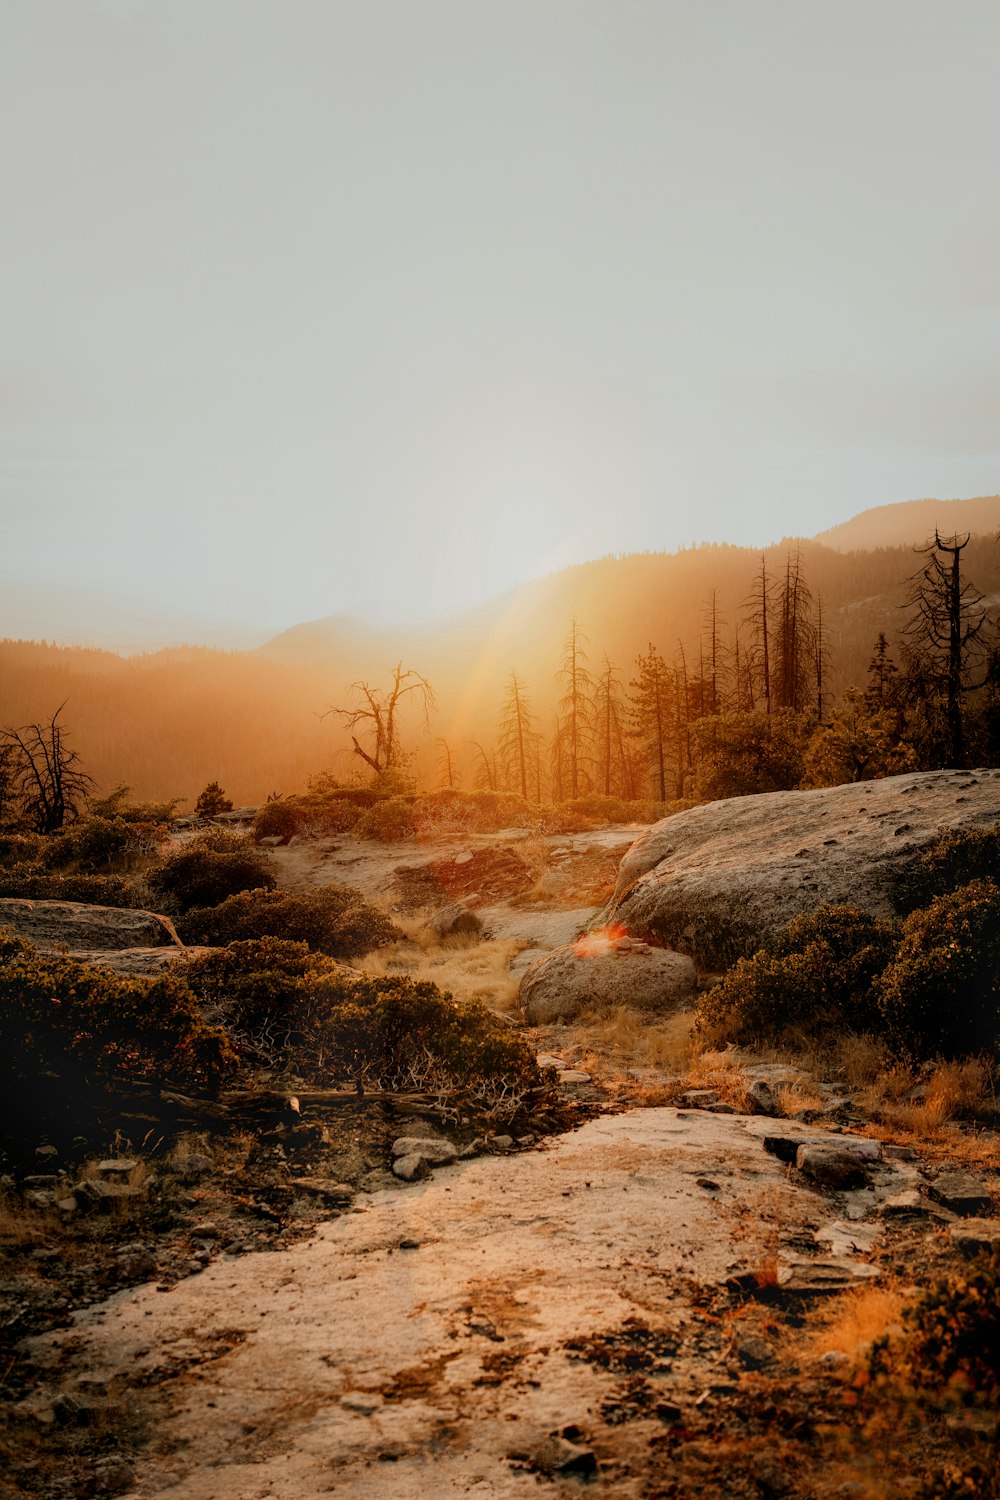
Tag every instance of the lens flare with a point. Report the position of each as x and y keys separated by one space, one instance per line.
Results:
x=601 y=941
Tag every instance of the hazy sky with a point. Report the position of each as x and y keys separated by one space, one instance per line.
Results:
x=386 y=305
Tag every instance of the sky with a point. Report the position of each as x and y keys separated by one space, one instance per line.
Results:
x=384 y=306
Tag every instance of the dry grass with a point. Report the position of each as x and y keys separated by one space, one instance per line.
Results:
x=722 y=1071
x=23 y=1227
x=856 y=1319
x=791 y=1097
x=469 y=970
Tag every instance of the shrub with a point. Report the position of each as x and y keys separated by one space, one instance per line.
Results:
x=209 y=869
x=117 y=805
x=21 y=848
x=941 y=993
x=212 y=801
x=89 y=1026
x=816 y=977
x=738 y=754
x=279 y=818
x=287 y=1006
x=387 y=821
x=951 y=1339
x=331 y=919
x=31 y=884
x=954 y=860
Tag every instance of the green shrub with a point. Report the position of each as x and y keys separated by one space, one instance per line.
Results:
x=288 y=1007
x=21 y=848
x=954 y=860
x=32 y=884
x=89 y=1026
x=951 y=1339
x=331 y=919
x=279 y=818
x=212 y=801
x=815 y=978
x=387 y=821
x=941 y=993
x=210 y=868
x=117 y=805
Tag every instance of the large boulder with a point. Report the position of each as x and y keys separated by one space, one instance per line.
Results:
x=718 y=880
x=601 y=970
x=80 y=927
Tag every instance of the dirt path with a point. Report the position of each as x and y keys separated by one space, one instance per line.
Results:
x=438 y=1339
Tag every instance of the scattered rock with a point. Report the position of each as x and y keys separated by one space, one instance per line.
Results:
x=46 y=1153
x=573 y=1075
x=135 y=1263
x=112 y=1476
x=599 y=971
x=973 y=1235
x=784 y=1143
x=831 y=1167
x=502 y=1143
x=760 y=1100
x=812 y=1277
x=412 y=1168
x=78 y=925
x=117 y=1166
x=560 y=1456
x=192 y=1166
x=961 y=1193
x=455 y=921
x=434 y=1150
x=323 y=1187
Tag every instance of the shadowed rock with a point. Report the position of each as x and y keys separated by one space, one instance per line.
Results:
x=603 y=973
x=80 y=927
x=718 y=880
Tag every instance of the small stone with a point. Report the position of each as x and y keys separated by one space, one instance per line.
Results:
x=698 y=1098
x=573 y=1075
x=323 y=1187
x=559 y=1456
x=46 y=1153
x=830 y=1167
x=707 y=1184
x=502 y=1143
x=206 y=1230
x=411 y=1168
x=112 y=1476
x=433 y=1149
x=192 y=1166
x=961 y=1193
x=118 y=1166
x=38 y=1198
x=455 y=921
x=409 y=1244
x=760 y=1100
x=136 y=1263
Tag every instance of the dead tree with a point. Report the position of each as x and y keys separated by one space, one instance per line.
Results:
x=946 y=634
x=376 y=716
x=47 y=780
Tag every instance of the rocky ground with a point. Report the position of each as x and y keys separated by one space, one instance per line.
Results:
x=626 y=1291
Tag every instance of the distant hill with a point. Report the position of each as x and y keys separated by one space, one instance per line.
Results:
x=169 y=722
x=912 y=522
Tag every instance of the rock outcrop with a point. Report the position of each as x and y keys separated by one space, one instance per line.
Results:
x=81 y=927
x=602 y=970
x=717 y=880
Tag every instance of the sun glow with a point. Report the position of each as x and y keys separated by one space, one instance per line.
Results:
x=601 y=941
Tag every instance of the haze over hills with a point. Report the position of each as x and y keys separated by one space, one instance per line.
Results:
x=168 y=722
x=911 y=522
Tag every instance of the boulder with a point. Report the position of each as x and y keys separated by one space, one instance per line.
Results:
x=831 y=1167
x=455 y=921
x=961 y=1193
x=718 y=880
x=412 y=1168
x=434 y=1150
x=605 y=971
x=78 y=926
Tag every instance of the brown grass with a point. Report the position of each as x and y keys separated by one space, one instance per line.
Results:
x=856 y=1319
x=468 y=970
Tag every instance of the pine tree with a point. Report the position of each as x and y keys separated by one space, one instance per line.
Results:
x=576 y=710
